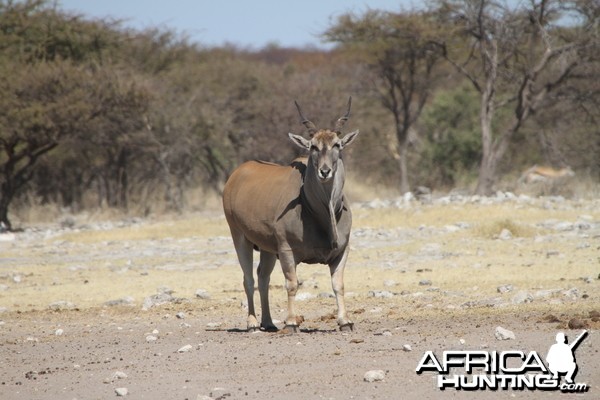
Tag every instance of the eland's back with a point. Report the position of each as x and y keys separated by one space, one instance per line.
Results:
x=257 y=195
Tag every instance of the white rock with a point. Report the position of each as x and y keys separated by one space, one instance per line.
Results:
x=522 y=297
x=151 y=338
x=504 y=334
x=572 y=293
x=505 y=288
x=59 y=332
x=202 y=294
x=119 y=375
x=304 y=296
x=407 y=347
x=185 y=348
x=375 y=375
x=61 y=305
x=380 y=294
x=505 y=234
x=121 y=392
x=564 y=226
x=389 y=283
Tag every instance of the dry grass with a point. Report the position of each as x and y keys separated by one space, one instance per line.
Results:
x=90 y=267
x=195 y=225
x=492 y=229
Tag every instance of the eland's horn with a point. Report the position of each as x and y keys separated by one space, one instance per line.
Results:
x=342 y=120
x=312 y=129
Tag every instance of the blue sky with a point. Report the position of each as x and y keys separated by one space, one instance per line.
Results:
x=246 y=23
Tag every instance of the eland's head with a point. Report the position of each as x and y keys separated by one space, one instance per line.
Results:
x=324 y=146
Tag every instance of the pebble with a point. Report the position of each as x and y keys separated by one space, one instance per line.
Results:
x=61 y=305
x=505 y=234
x=151 y=338
x=380 y=294
x=202 y=294
x=119 y=375
x=325 y=295
x=180 y=315
x=185 y=348
x=522 y=297
x=123 y=301
x=375 y=375
x=572 y=293
x=564 y=226
x=576 y=323
x=505 y=288
x=303 y=296
x=407 y=347
x=504 y=334
x=59 y=332
x=425 y=282
x=121 y=392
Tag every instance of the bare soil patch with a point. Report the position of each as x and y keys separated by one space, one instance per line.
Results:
x=426 y=275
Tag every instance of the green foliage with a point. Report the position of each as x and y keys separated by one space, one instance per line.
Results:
x=452 y=146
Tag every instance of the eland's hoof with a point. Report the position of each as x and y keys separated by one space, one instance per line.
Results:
x=291 y=329
x=269 y=328
x=252 y=329
x=347 y=327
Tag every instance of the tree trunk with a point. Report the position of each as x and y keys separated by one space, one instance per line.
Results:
x=487 y=168
x=402 y=165
x=4 y=203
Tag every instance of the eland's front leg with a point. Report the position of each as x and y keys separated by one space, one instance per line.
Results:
x=337 y=282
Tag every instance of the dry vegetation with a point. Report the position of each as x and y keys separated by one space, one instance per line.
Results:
x=456 y=246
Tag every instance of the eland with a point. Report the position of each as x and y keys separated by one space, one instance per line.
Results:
x=295 y=213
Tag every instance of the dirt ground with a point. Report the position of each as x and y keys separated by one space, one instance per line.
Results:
x=157 y=306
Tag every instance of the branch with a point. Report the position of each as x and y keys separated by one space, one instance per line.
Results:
x=460 y=68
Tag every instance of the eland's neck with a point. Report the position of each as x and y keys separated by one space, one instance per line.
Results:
x=324 y=200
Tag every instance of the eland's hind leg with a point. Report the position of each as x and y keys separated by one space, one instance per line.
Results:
x=244 y=249
x=265 y=267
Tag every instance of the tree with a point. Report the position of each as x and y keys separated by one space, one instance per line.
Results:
x=451 y=129
x=39 y=105
x=400 y=50
x=516 y=58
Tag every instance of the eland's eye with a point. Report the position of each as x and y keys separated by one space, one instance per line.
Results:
x=314 y=148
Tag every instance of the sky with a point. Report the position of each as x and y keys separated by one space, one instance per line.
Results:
x=245 y=23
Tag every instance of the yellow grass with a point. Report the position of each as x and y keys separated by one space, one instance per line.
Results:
x=474 y=266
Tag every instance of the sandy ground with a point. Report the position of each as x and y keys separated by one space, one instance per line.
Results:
x=80 y=315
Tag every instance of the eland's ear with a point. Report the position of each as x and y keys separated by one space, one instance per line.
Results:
x=300 y=141
x=349 y=138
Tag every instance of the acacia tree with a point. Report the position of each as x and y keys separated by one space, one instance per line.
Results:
x=516 y=59
x=400 y=50
x=39 y=105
